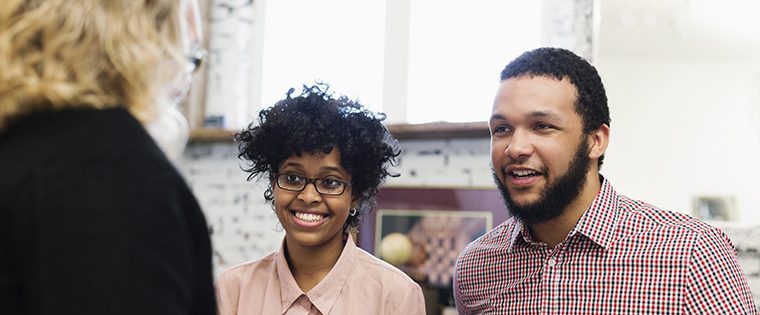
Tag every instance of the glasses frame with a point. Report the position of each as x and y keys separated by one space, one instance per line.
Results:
x=278 y=176
x=196 y=60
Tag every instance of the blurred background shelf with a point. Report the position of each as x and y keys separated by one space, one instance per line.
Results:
x=436 y=130
x=211 y=135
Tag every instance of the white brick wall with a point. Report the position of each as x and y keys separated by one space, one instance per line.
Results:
x=243 y=226
x=444 y=163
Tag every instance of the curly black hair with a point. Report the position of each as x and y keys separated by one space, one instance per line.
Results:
x=314 y=123
x=591 y=103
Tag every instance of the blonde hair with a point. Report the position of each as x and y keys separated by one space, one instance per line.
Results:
x=61 y=54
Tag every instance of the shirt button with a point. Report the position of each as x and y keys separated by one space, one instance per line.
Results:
x=305 y=302
x=551 y=263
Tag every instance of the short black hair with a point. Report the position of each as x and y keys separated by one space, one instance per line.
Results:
x=591 y=101
x=315 y=122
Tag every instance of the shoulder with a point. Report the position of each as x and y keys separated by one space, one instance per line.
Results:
x=110 y=145
x=480 y=257
x=380 y=270
x=108 y=194
x=496 y=240
x=383 y=287
x=96 y=166
x=644 y=216
x=247 y=282
x=65 y=141
x=240 y=274
x=642 y=223
x=107 y=155
x=484 y=261
x=253 y=275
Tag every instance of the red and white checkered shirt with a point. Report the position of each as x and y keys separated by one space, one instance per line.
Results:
x=623 y=256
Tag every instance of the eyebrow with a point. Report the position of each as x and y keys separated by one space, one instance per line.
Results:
x=324 y=168
x=331 y=168
x=292 y=164
x=536 y=114
x=547 y=114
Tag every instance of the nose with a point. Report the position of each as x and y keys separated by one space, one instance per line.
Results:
x=519 y=145
x=309 y=194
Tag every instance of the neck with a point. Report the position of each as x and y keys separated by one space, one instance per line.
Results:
x=555 y=231
x=309 y=265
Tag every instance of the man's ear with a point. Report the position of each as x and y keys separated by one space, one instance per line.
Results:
x=598 y=141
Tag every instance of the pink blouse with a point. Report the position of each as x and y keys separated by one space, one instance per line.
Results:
x=359 y=283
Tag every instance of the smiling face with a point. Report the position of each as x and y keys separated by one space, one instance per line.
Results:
x=538 y=150
x=309 y=218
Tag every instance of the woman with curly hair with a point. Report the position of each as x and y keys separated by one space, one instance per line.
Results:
x=324 y=158
x=94 y=218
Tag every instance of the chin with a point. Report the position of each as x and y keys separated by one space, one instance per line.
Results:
x=525 y=198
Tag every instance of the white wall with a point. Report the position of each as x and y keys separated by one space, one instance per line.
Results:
x=684 y=128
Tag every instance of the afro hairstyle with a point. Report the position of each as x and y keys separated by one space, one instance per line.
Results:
x=315 y=122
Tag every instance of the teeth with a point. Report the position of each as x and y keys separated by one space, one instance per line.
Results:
x=309 y=217
x=523 y=173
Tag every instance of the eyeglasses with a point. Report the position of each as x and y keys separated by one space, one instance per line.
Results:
x=196 y=60
x=324 y=186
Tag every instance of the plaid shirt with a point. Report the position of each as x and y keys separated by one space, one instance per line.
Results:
x=623 y=256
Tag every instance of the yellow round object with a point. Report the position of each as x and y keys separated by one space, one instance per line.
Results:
x=396 y=248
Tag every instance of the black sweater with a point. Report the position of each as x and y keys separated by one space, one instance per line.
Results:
x=95 y=220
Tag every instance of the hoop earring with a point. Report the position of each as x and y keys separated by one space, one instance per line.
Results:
x=353 y=212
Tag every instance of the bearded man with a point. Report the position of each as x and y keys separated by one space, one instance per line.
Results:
x=573 y=245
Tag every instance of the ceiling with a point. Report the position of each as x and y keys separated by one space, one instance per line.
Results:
x=680 y=29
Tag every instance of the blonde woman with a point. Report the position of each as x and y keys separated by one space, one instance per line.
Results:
x=94 y=218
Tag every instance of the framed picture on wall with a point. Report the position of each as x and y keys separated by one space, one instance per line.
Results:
x=436 y=223
x=462 y=200
x=426 y=243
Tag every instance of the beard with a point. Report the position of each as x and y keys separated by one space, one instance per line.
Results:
x=556 y=196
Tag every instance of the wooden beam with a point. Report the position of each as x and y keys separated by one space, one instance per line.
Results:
x=436 y=130
x=211 y=135
x=440 y=130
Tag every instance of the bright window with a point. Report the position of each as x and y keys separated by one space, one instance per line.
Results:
x=457 y=50
x=339 y=42
x=455 y=53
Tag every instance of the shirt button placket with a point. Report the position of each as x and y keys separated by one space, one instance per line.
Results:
x=305 y=303
x=546 y=288
x=551 y=284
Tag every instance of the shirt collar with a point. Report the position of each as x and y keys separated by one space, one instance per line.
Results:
x=600 y=220
x=515 y=231
x=597 y=223
x=326 y=292
x=289 y=290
